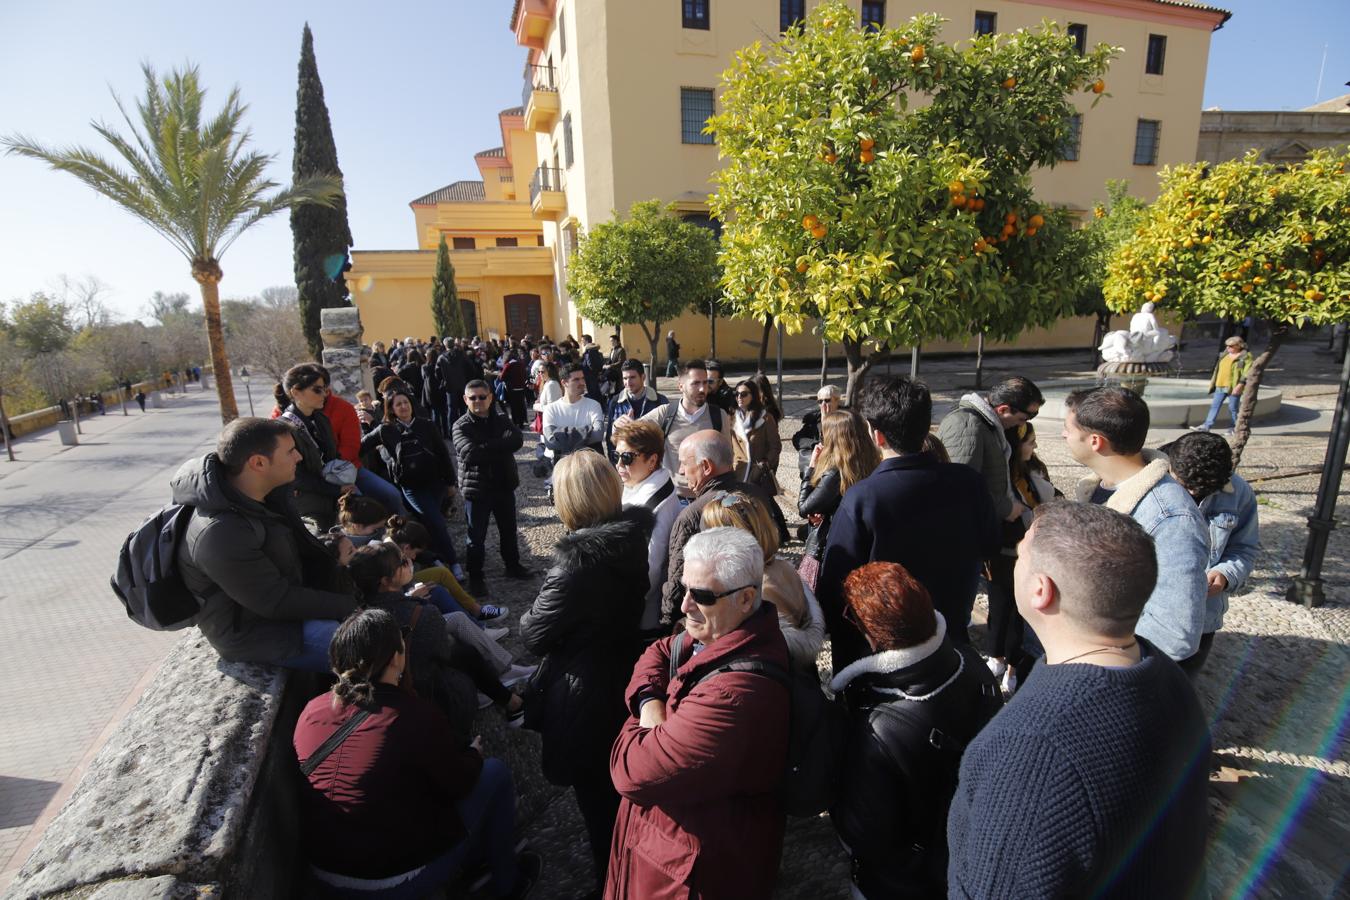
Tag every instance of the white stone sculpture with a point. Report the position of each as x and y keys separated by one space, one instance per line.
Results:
x=1144 y=342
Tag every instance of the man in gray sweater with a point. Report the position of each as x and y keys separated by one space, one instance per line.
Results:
x=973 y=436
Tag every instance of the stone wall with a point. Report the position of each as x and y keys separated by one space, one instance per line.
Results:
x=29 y=422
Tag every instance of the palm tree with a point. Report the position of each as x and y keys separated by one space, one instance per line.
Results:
x=188 y=179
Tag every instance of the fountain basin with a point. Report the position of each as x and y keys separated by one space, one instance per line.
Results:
x=1172 y=402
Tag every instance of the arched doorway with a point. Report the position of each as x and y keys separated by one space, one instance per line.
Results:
x=524 y=315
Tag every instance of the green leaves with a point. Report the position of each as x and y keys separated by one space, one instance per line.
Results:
x=885 y=222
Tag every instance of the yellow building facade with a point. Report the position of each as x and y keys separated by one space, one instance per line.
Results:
x=610 y=81
x=503 y=270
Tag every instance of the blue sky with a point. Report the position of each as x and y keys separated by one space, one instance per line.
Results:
x=413 y=89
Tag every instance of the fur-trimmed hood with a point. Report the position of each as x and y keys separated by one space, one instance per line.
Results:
x=612 y=539
x=1133 y=489
x=889 y=662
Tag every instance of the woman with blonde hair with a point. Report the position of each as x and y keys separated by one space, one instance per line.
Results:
x=584 y=628
x=844 y=456
x=799 y=615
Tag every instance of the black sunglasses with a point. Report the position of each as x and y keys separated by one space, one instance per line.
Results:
x=627 y=457
x=1029 y=415
x=705 y=597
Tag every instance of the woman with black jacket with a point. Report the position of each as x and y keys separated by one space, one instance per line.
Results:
x=300 y=397
x=434 y=391
x=584 y=626
x=419 y=464
x=844 y=456
x=913 y=706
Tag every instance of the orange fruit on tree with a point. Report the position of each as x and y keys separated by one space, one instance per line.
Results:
x=1098 y=86
x=1010 y=218
x=867 y=143
x=1009 y=231
x=1307 y=237
x=980 y=245
x=1248 y=288
x=866 y=156
x=1036 y=221
x=1009 y=83
x=1314 y=294
x=819 y=231
x=830 y=158
x=977 y=204
x=1031 y=232
x=917 y=54
x=956 y=187
x=959 y=201
x=809 y=222
x=802 y=267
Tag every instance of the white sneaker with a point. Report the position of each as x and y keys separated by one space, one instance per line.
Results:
x=516 y=674
x=496 y=634
x=458 y=571
x=1199 y=428
x=997 y=666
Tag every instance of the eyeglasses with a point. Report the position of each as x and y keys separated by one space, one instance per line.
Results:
x=1029 y=415
x=851 y=617
x=477 y=398
x=626 y=458
x=742 y=393
x=705 y=597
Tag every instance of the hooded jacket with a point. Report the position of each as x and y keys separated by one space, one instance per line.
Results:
x=700 y=814
x=584 y=627
x=258 y=572
x=1173 y=619
x=911 y=713
x=973 y=436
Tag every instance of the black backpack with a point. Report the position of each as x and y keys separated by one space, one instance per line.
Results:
x=148 y=581
x=816 y=733
x=412 y=464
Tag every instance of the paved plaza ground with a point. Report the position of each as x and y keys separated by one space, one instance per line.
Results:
x=1276 y=684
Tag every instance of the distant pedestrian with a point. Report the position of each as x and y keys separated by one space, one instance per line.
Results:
x=1093 y=780
x=1227 y=382
x=140 y=399
x=672 y=355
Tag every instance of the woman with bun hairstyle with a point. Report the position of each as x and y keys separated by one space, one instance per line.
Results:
x=403 y=804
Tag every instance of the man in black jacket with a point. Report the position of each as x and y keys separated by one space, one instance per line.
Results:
x=265 y=584
x=485 y=445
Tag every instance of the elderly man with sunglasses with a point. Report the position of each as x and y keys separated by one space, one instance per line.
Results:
x=973 y=436
x=699 y=762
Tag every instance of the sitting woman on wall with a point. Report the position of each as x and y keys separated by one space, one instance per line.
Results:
x=435 y=659
x=799 y=615
x=405 y=806
x=420 y=464
x=300 y=397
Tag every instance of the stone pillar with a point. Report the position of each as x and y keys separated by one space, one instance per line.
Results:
x=348 y=362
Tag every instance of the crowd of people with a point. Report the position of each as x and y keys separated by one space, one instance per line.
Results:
x=675 y=671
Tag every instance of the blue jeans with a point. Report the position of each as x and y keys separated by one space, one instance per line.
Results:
x=444 y=601
x=375 y=487
x=426 y=503
x=1219 y=395
x=313 y=655
x=489 y=817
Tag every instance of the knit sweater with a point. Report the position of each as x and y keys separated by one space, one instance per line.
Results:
x=1092 y=781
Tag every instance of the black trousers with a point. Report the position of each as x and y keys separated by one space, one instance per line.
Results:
x=599 y=804
x=515 y=399
x=1005 y=623
x=1192 y=664
x=502 y=506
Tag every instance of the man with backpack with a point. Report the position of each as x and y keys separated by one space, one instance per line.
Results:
x=689 y=414
x=702 y=810
x=268 y=589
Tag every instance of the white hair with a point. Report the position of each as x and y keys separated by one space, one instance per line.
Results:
x=712 y=447
x=733 y=555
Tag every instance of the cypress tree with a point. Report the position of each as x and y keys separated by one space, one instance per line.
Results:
x=444 y=298
x=321 y=235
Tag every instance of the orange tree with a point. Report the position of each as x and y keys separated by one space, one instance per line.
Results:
x=1244 y=238
x=889 y=224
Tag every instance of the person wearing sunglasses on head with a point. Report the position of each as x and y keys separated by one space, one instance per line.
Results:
x=973 y=434
x=648 y=484
x=702 y=755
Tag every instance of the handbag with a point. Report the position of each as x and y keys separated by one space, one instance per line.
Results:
x=339 y=471
x=809 y=570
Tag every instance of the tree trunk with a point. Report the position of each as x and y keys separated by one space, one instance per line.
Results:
x=1242 y=428
x=652 y=337
x=208 y=276
x=824 y=361
x=712 y=328
x=858 y=366
x=979 y=361
x=764 y=344
x=1099 y=329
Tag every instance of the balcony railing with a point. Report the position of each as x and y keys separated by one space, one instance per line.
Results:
x=538 y=78
x=546 y=178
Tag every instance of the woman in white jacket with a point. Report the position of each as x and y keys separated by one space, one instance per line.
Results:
x=640 y=447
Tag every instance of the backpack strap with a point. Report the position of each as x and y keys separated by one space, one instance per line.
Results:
x=334 y=741
x=676 y=648
x=753 y=666
x=656 y=499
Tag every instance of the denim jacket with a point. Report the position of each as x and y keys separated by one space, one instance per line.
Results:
x=1174 y=617
x=1234 y=538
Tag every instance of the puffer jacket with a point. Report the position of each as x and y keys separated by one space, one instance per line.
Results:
x=584 y=626
x=315 y=496
x=911 y=714
x=973 y=436
x=485 y=448
x=822 y=499
x=257 y=570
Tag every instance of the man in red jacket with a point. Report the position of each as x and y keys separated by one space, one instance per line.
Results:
x=701 y=758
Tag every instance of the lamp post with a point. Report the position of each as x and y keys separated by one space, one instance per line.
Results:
x=243 y=373
x=1307 y=585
